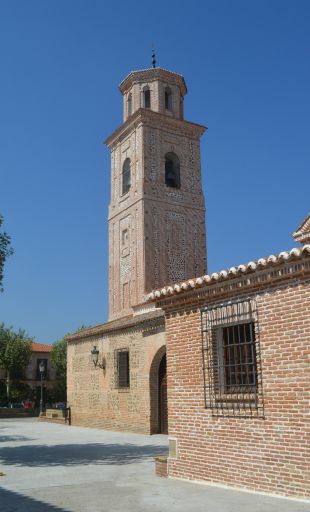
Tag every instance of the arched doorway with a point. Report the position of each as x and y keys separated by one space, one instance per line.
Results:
x=158 y=393
x=162 y=397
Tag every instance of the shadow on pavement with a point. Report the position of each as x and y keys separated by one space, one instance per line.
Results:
x=7 y=439
x=75 y=454
x=12 y=501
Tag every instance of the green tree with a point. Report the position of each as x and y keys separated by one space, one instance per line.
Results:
x=19 y=391
x=15 y=353
x=5 y=250
x=59 y=360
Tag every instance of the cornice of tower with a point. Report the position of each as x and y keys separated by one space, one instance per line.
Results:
x=189 y=204
x=151 y=74
x=156 y=120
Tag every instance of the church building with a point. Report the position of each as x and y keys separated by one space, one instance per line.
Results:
x=221 y=361
x=117 y=370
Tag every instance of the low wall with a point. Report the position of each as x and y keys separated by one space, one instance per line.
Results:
x=18 y=413
x=161 y=467
x=56 y=416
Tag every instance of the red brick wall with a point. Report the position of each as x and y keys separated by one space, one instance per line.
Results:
x=270 y=454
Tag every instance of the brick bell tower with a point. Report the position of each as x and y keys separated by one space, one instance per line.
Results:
x=157 y=213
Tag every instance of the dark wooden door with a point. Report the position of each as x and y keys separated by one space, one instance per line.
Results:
x=162 y=397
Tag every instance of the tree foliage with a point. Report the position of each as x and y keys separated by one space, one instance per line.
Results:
x=15 y=352
x=5 y=250
x=20 y=391
x=59 y=359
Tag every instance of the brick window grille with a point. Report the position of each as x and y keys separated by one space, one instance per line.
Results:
x=122 y=368
x=231 y=359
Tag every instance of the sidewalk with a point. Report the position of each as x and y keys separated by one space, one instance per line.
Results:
x=52 y=467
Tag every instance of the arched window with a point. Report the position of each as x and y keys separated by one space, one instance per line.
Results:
x=172 y=170
x=126 y=176
x=168 y=98
x=146 y=97
x=129 y=105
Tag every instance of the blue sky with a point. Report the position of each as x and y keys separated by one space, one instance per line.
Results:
x=246 y=64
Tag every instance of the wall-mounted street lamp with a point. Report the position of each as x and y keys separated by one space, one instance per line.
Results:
x=41 y=370
x=95 y=358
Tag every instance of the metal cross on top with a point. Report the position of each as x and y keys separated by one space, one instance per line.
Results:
x=153 y=59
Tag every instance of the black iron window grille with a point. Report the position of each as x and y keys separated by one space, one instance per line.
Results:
x=122 y=368
x=231 y=359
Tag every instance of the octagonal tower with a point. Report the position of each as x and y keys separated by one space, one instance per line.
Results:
x=157 y=212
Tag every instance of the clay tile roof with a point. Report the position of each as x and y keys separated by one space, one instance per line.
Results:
x=40 y=347
x=302 y=233
x=250 y=267
x=117 y=325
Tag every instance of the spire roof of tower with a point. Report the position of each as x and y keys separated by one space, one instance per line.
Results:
x=150 y=74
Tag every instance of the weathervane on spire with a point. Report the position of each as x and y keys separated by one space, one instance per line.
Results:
x=153 y=59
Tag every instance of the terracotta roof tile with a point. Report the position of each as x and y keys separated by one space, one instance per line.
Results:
x=117 y=325
x=40 y=347
x=302 y=233
x=251 y=266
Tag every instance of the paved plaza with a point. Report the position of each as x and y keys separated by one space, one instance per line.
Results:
x=50 y=467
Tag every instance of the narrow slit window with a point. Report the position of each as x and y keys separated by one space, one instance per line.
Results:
x=129 y=105
x=172 y=170
x=126 y=176
x=146 y=97
x=181 y=108
x=122 y=367
x=124 y=236
x=168 y=99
